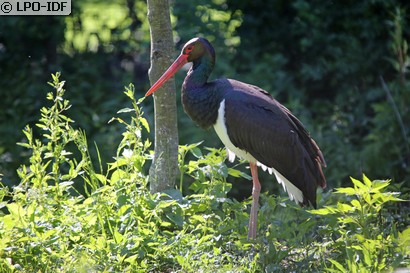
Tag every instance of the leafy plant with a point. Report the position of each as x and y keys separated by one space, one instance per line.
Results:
x=365 y=237
x=115 y=224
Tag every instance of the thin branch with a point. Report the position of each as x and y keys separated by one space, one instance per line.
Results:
x=396 y=113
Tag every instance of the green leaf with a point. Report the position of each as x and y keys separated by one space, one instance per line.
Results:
x=356 y=204
x=140 y=100
x=132 y=259
x=118 y=163
x=356 y=247
x=118 y=237
x=234 y=172
x=195 y=151
x=358 y=183
x=174 y=194
x=144 y=123
x=338 y=265
x=176 y=217
x=347 y=190
x=9 y=222
x=322 y=211
x=117 y=175
x=386 y=197
x=181 y=260
x=66 y=184
x=89 y=201
x=165 y=204
x=122 y=200
x=344 y=208
x=25 y=145
x=16 y=209
x=367 y=181
x=125 y=110
x=101 y=178
x=404 y=239
x=379 y=184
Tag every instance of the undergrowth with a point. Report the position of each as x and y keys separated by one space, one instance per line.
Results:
x=114 y=224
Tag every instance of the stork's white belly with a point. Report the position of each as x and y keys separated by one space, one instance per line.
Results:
x=221 y=130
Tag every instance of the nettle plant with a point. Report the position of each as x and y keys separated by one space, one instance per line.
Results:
x=360 y=231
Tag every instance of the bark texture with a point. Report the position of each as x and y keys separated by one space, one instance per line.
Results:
x=163 y=171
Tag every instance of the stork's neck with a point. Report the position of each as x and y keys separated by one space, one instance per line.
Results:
x=199 y=73
x=200 y=98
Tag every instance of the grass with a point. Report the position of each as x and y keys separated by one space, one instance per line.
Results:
x=112 y=223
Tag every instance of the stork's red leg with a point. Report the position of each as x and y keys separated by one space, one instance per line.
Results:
x=255 y=198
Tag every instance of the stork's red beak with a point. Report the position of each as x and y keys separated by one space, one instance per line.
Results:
x=175 y=66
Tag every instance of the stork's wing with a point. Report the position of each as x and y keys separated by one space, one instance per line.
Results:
x=275 y=137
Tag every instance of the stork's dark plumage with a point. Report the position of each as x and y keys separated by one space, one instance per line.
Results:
x=252 y=125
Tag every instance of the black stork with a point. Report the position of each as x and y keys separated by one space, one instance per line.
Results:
x=252 y=125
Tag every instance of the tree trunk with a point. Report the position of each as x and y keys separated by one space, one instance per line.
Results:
x=163 y=171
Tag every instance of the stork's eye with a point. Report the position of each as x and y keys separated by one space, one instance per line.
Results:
x=189 y=49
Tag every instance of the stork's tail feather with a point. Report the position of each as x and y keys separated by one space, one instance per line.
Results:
x=320 y=162
x=321 y=177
